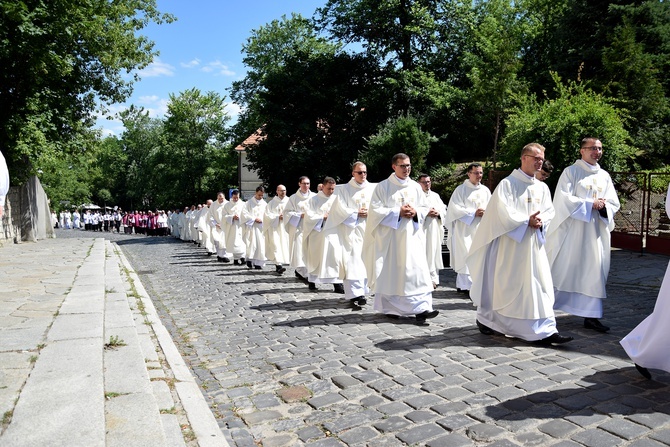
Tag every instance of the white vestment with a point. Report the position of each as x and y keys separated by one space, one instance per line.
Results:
x=254 y=238
x=511 y=278
x=293 y=212
x=177 y=223
x=394 y=249
x=233 y=228
x=322 y=249
x=218 y=236
x=205 y=229
x=462 y=224
x=435 y=235
x=647 y=344
x=343 y=216
x=578 y=239
x=276 y=237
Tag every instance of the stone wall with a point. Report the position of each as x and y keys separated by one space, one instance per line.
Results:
x=27 y=216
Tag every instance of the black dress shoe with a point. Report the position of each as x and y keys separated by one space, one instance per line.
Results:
x=209 y=253
x=338 y=288
x=236 y=262
x=258 y=267
x=423 y=316
x=299 y=276
x=225 y=260
x=595 y=324
x=311 y=286
x=486 y=330
x=555 y=339
x=359 y=301
x=280 y=269
x=249 y=264
x=393 y=317
x=644 y=371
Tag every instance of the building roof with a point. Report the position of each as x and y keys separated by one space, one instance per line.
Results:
x=252 y=140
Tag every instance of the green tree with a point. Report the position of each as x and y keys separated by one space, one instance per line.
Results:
x=141 y=140
x=560 y=124
x=194 y=133
x=316 y=113
x=57 y=58
x=400 y=134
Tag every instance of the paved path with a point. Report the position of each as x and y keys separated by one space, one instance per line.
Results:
x=285 y=367
x=84 y=358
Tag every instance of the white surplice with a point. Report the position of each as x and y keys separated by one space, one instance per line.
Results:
x=321 y=247
x=233 y=228
x=435 y=235
x=343 y=216
x=293 y=212
x=462 y=224
x=578 y=239
x=647 y=344
x=511 y=278
x=394 y=249
x=276 y=237
x=254 y=210
x=217 y=222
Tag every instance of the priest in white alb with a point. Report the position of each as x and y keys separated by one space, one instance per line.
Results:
x=434 y=227
x=294 y=212
x=511 y=278
x=394 y=247
x=464 y=213
x=218 y=236
x=274 y=227
x=322 y=249
x=349 y=216
x=252 y=216
x=233 y=228
x=578 y=239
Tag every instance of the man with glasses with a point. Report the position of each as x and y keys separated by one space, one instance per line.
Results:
x=349 y=216
x=274 y=227
x=578 y=239
x=433 y=226
x=395 y=246
x=464 y=214
x=295 y=212
x=511 y=278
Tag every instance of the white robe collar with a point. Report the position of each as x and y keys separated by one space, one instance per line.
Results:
x=588 y=167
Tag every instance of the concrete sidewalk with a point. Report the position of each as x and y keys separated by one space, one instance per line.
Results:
x=84 y=358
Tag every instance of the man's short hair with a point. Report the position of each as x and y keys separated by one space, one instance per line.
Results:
x=304 y=177
x=260 y=189
x=328 y=180
x=398 y=156
x=423 y=176
x=235 y=192
x=527 y=149
x=588 y=141
x=472 y=166
x=357 y=163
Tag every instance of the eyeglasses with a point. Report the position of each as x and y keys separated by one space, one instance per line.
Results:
x=425 y=182
x=361 y=172
x=593 y=148
x=404 y=166
x=537 y=159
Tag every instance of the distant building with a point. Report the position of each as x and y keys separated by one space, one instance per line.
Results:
x=247 y=178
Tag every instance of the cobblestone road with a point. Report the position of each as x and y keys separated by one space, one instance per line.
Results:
x=282 y=366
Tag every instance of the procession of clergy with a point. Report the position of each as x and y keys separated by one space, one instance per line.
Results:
x=518 y=254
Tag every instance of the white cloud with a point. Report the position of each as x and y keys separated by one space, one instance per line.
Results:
x=157 y=68
x=190 y=64
x=218 y=68
x=233 y=110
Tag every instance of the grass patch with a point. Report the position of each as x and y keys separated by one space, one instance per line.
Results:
x=114 y=342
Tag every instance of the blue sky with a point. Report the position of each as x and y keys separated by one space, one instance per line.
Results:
x=201 y=49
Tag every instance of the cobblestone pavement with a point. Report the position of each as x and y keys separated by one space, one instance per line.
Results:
x=282 y=366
